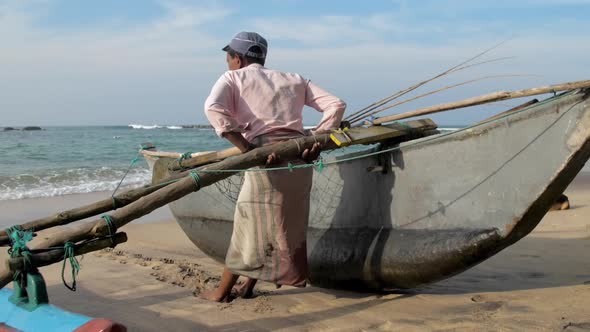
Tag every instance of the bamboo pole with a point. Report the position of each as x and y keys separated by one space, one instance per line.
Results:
x=57 y=255
x=90 y=210
x=205 y=158
x=405 y=101
x=492 y=97
x=514 y=109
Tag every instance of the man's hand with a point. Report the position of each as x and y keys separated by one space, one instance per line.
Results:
x=309 y=155
x=272 y=159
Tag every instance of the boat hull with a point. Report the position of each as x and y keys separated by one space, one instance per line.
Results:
x=444 y=203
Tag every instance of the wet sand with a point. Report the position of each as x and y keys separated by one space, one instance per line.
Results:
x=540 y=283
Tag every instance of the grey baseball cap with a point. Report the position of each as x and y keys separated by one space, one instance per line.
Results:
x=244 y=41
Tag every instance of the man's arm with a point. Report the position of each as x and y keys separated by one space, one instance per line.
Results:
x=331 y=106
x=238 y=140
x=220 y=108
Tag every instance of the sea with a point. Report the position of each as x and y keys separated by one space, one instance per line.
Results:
x=58 y=161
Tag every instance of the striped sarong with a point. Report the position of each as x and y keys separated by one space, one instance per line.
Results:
x=270 y=227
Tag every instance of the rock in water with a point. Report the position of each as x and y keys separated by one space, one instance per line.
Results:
x=31 y=128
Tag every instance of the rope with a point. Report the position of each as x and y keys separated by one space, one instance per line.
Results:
x=112 y=227
x=197 y=179
x=70 y=255
x=19 y=239
x=319 y=165
x=133 y=161
x=183 y=157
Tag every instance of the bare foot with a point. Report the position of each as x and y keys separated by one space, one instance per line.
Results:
x=211 y=295
x=244 y=291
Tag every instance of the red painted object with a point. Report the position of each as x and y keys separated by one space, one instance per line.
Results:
x=101 y=325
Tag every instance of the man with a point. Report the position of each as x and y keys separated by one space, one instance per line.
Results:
x=251 y=106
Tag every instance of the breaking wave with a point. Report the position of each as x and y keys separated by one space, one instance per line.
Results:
x=155 y=126
x=71 y=181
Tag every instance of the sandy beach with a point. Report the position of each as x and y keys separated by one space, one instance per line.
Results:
x=149 y=284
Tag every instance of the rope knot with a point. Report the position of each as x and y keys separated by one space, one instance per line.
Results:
x=196 y=179
x=70 y=255
x=112 y=228
x=319 y=165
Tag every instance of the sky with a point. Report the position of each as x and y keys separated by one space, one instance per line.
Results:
x=112 y=62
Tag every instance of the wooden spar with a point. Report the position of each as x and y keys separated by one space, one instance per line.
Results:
x=379 y=133
x=57 y=255
x=204 y=159
x=369 y=135
x=287 y=150
x=83 y=212
x=492 y=97
x=405 y=101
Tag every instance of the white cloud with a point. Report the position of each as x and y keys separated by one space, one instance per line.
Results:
x=161 y=70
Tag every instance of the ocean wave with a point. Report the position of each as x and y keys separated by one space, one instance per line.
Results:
x=139 y=126
x=71 y=181
x=155 y=126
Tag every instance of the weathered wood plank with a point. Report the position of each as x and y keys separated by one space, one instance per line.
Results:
x=370 y=135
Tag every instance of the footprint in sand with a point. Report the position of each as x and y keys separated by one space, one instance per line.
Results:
x=484 y=308
x=571 y=326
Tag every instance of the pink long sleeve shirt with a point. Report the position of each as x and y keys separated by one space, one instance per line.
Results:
x=255 y=100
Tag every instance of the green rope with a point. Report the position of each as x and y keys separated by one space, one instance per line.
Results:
x=319 y=165
x=69 y=255
x=133 y=161
x=112 y=227
x=19 y=239
x=185 y=156
x=290 y=167
x=114 y=201
x=197 y=179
